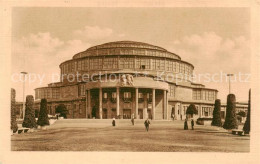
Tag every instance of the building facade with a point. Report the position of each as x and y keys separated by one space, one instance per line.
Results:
x=126 y=78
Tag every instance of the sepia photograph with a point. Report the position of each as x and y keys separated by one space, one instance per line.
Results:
x=93 y=79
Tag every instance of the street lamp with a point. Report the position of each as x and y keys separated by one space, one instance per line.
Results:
x=229 y=75
x=24 y=74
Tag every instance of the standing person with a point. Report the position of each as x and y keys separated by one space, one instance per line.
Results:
x=185 y=125
x=192 y=124
x=146 y=124
x=173 y=117
x=133 y=119
x=114 y=122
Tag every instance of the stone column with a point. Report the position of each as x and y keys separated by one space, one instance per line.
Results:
x=89 y=104
x=100 y=103
x=153 y=104
x=136 y=102
x=117 y=101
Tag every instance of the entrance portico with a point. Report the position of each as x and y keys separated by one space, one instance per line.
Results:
x=140 y=99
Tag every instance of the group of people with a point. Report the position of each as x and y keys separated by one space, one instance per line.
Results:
x=146 y=123
x=186 y=124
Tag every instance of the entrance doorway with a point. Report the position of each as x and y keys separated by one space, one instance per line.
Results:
x=126 y=113
x=113 y=113
x=104 y=113
x=140 y=113
x=149 y=113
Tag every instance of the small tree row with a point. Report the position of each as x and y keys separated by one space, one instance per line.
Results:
x=29 y=118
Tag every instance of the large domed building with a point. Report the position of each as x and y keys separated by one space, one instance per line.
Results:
x=126 y=78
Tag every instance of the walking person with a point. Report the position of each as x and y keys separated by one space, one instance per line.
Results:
x=185 y=125
x=133 y=119
x=147 y=124
x=192 y=124
x=114 y=122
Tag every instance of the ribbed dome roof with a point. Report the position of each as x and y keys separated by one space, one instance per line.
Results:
x=126 y=44
x=126 y=48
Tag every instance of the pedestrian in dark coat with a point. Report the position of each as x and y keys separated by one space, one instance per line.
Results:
x=185 y=125
x=133 y=119
x=147 y=124
x=114 y=122
x=192 y=124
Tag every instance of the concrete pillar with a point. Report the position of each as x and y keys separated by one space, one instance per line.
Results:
x=117 y=101
x=200 y=111
x=164 y=104
x=145 y=107
x=89 y=104
x=100 y=103
x=153 y=104
x=182 y=115
x=86 y=106
x=176 y=112
x=136 y=102
x=167 y=106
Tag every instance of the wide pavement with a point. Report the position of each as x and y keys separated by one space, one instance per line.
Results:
x=99 y=135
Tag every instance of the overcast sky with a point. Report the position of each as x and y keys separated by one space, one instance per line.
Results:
x=214 y=40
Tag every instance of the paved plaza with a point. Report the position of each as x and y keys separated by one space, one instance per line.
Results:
x=99 y=135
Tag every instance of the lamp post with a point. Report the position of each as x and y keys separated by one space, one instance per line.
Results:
x=229 y=75
x=24 y=74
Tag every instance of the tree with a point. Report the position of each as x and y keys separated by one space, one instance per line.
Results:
x=29 y=118
x=216 y=121
x=62 y=110
x=191 y=110
x=246 y=127
x=14 y=126
x=231 y=120
x=43 y=115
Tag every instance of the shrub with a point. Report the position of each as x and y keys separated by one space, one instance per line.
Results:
x=191 y=110
x=231 y=120
x=43 y=115
x=216 y=114
x=29 y=118
x=62 y=110
x=14 y=126
x=246 y=127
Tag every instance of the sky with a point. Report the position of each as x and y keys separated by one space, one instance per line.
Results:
x=215 y=40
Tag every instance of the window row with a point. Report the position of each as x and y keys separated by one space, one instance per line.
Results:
x=126 y=63
x=204 y=95
x=126 y=51
x=48 y=93
x=82 y=90
x=206 y=111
